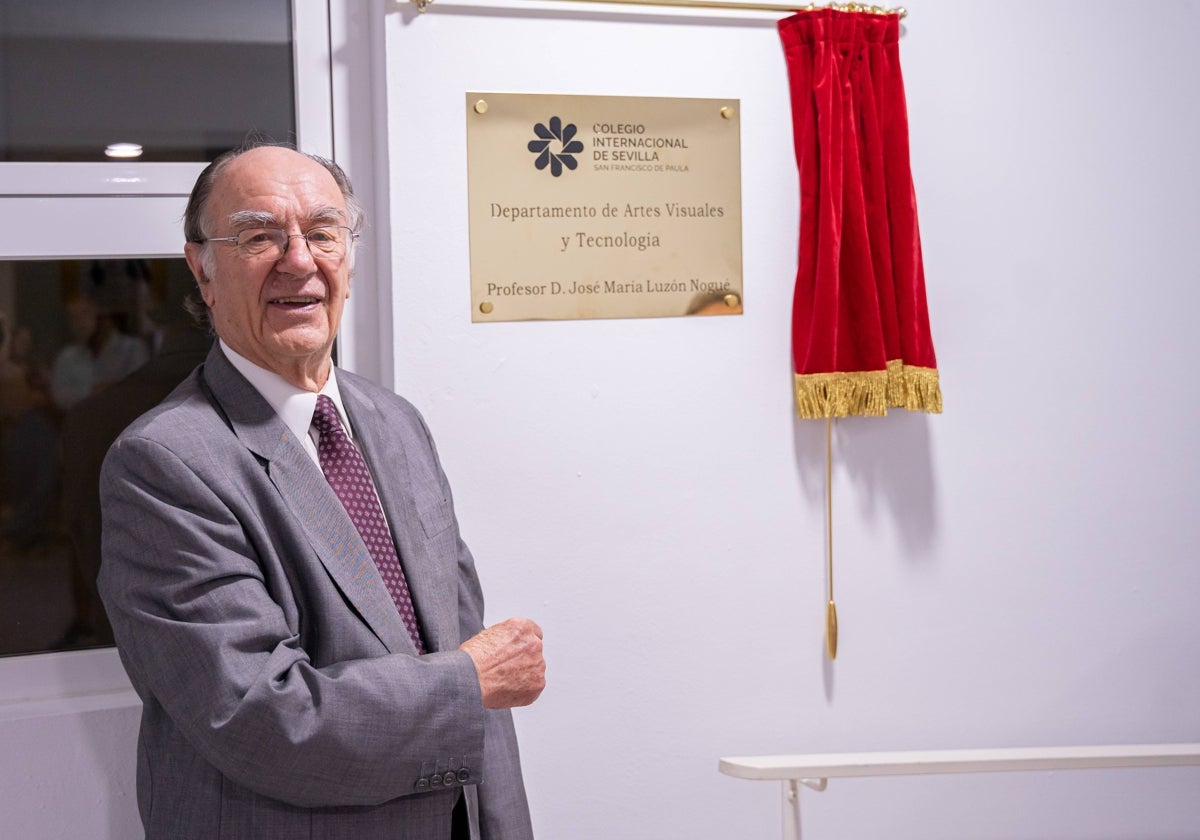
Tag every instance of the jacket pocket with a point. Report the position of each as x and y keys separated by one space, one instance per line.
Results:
x=436 y=516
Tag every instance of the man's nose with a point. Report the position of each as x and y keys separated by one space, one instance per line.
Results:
x=297 y=258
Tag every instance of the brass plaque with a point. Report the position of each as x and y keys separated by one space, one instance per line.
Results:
x=603 y=206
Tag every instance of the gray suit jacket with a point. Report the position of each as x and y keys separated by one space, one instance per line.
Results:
x=282 y=696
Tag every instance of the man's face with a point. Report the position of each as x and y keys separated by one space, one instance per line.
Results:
x=282 y=315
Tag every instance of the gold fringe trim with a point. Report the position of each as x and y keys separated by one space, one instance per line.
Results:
x=897 y=388
x=922 y=390
x=868 y=393
x=862 y=393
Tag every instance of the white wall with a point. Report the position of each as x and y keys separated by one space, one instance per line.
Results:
x=1020 y=571
x=68 y=740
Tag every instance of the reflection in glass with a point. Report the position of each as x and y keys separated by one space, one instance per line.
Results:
x=85 y=348
x=182 y=79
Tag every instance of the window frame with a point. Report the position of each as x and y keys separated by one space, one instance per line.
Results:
x=117 y=210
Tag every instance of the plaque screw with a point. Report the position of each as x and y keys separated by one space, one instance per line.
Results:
x=481 y=106
x=731 y=301
x=486 y=306
x=726 y=113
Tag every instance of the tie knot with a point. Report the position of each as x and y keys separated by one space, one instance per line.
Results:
x=325 y=418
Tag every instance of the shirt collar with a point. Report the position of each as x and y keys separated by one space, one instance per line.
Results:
x=295 y=406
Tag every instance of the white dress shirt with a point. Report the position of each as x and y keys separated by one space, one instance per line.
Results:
x=295 y=406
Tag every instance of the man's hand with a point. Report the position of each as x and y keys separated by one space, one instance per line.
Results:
x=508 y=659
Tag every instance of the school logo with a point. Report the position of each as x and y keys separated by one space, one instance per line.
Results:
x=556 y=146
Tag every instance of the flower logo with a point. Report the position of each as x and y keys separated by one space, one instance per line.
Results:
x=567 y=146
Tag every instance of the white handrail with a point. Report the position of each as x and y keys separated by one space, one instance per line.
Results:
x=815 y=769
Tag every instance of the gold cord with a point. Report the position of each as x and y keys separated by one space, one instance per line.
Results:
x=831 y=628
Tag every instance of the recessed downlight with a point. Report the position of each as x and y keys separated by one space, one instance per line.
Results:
x=123 y=150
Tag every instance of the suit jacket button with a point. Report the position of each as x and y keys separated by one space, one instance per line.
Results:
x=449 y=778
x=464 y=776
x=422 y=784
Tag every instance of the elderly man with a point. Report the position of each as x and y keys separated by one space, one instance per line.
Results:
x=282 y=565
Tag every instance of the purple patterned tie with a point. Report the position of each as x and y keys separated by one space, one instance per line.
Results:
x=347 y=474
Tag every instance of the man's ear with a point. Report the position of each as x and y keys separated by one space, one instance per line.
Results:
x=192 y=253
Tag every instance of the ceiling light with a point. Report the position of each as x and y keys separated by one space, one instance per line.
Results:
x=123 y=150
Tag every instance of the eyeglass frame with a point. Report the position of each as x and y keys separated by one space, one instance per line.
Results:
x=288 y=237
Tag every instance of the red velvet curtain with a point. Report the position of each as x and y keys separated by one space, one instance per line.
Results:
x=860 y=325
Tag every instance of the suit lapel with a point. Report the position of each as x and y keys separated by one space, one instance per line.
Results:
x=304 y=490
x=385 y=453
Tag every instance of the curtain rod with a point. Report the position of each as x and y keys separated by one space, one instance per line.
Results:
x=899 y=11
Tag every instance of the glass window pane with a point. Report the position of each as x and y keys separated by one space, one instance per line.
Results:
x=86 y=346
x=183 y=80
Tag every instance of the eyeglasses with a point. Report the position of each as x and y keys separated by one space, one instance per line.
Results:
x=272 y=243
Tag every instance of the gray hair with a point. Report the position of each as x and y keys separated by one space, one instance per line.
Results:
x=193 y=214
